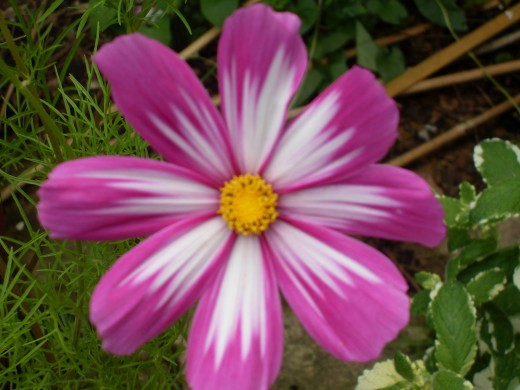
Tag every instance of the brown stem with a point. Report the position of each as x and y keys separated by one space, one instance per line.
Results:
x=453 y=51
x=400 y=36
x=464 y=76
x=454 y=133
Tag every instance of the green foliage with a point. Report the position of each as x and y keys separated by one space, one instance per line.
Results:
x=398 y=374
x=45 y=337
x=390 y=11
x=344 y=23
x=443 y=12
x=149 y=17
x=354 y=23
x=453 y=315
x=404 y=367
x=474 y=314
x=216 y=11
x=499 y=164
x=389 y=62
x=46 y=341
x=368 y=50
x=445 y=379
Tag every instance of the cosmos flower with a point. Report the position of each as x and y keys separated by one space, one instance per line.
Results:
x=245 y=207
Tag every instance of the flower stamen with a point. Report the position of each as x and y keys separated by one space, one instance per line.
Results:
x=248 y=204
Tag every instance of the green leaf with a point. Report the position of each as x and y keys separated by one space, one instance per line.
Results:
x=102 y=15
x=427 y=280
x=498 y=202
x=505 y=259
x=507 y=371
x=452 y=208
x=457 y=238
x=216 y=11
x=477 y=250
x=329 y=43
x=516 y=277
x=454 y=321
x=452 y=269
x=182 y=18
x=390 y=11
x=467 y=193
x=509 y=300
x=431 y=11
x=307 y=10
x=420 y=302
x=390 y=63
x=354 y=9
x=404 y=366
x=158 y=29
x=497 y=161
x=496 y=330
x=381 y=376
x=337 y=66
x=367 y=49
x=449 y=380
x=486 y=285
x=310 y=84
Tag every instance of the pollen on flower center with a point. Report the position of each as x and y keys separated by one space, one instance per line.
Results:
x=248 y=204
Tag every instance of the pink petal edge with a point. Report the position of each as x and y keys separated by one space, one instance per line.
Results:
x=349 y=126
x=161 y=97
x=261 y=62
x=380 y=201
x=114 y=197
x=349 y=297
x=153 y=284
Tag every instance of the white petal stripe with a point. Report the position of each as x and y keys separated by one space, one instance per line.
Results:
x=241 y=301
x=308 y=144
x=263 y=109
x=185 y=258
x=283 y=236
x=170 y=194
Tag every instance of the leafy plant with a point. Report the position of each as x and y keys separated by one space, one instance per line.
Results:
x=46 y=340
x=474 y=313
x=354 y=22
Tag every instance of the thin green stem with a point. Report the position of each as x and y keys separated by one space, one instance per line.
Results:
x=78 y=321
x=140 y=17
x=12 y=46
x=312 y=47
x=475 y=58
x=314 y=39
x=54 y=133
x=27 y=89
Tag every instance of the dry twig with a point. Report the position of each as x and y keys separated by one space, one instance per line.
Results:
x=400 y=36
x=464 y=76
x=454 y=133
x=453 y=51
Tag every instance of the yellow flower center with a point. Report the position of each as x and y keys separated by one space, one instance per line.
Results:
x=248 y=204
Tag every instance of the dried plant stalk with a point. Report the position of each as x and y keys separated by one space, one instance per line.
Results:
x=464 y=76
x=454 y=133
x=400 y=36
x=453 y=51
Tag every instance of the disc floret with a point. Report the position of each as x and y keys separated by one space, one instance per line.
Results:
x=248 y=204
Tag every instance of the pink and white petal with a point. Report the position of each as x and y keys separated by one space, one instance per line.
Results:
x=236 y=337
x=109 y=198
x=161 y=97
x=351 y=125
x=148 y=288
x=380 y=201
x=261 y=62
x=349 y=297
